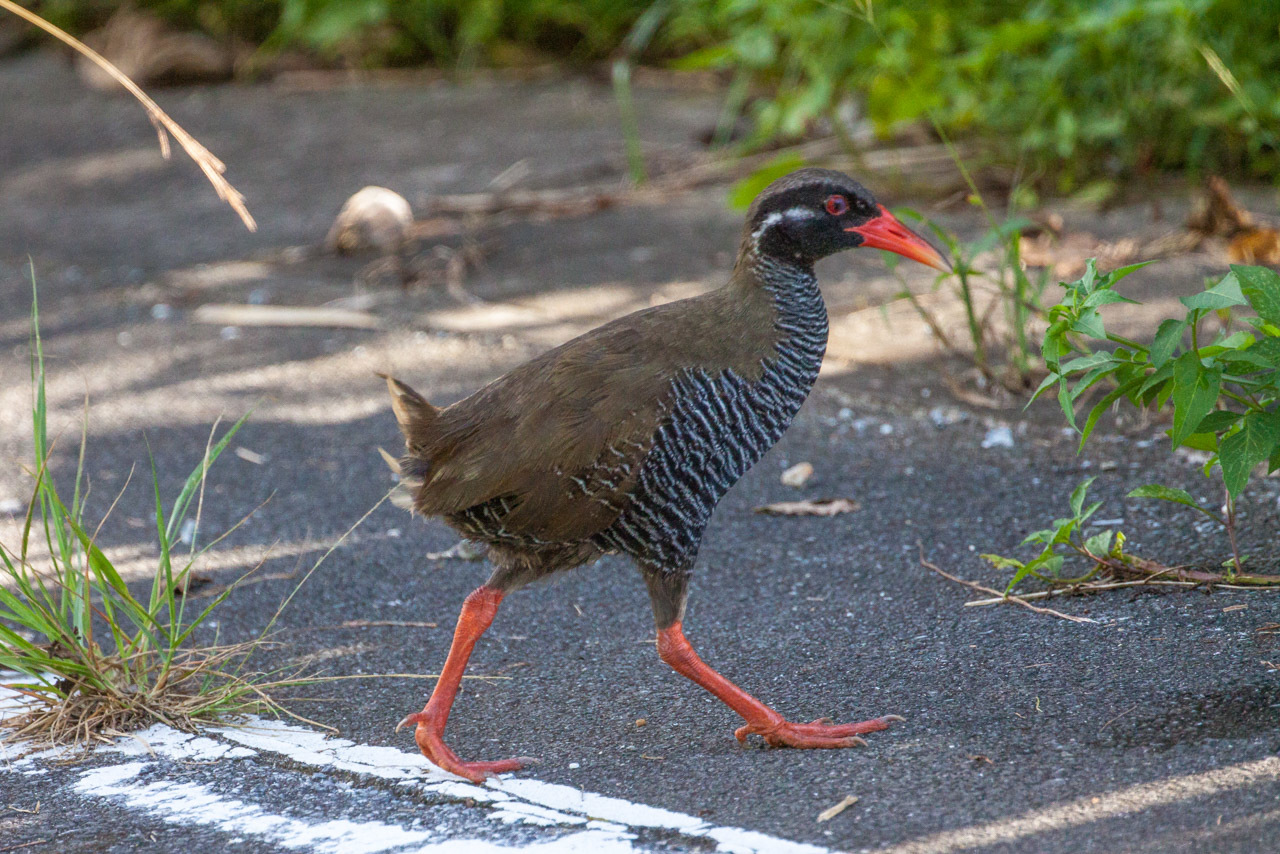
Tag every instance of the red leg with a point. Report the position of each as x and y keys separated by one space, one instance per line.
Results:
x=477 y=614
x=762 y=720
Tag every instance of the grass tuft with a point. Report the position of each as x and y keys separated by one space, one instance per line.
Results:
x=99 y=660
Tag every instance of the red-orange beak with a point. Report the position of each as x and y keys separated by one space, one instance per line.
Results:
x=886 y=232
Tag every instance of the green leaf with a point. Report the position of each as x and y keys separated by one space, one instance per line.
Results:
x=1258 y=438
x=1002 y=562
x=1195 y=393
x=1262 y=287
x=1217 y=421
x=1099 y=298
x=1084 y=363
x=1102 y=406
x=1078 y=495
x=1121 y=272
x=1165 y=493
x=1222 y=295
x=1266 y=350
x=1089 y=322
x=1099 y=544
x=1168 y=337
x=1044 y=386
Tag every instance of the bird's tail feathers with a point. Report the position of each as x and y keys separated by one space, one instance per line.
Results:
x=417 y=419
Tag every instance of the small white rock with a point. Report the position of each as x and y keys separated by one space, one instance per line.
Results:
x=161 y=311
x=229 y=333
x=573 y=766
x=187 y=533
x=886 y=429
x=798 y=475
x=12 y=507
x=998 y=437
x=374 y=218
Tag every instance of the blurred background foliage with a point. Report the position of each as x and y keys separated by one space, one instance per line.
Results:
x=1065 y=91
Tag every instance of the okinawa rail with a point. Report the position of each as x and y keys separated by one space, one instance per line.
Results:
x=624 y=439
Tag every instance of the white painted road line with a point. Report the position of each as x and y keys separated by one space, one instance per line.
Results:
x=556 y=819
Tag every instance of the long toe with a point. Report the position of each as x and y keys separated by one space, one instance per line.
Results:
x=825 y=727
x=818 y=734
x=433 y=747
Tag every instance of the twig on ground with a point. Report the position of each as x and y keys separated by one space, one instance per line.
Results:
x=837 y=808
x=585 y=199
x=1002 y=597
x=407 y=624
x=1118 y=717
x=211 y=166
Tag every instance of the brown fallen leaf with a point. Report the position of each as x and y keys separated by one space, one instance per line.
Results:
x=980 y=759
x=1259 y=246
x=835 y=809
x=816 y=507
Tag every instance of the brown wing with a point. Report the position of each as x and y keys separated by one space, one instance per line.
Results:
x=562 y=437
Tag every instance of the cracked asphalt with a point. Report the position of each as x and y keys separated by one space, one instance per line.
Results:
x=1154 y=728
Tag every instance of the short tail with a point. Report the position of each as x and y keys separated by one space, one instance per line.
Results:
x=418 y=420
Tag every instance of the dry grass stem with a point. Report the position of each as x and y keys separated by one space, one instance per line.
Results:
x=1000 y=597
x=211 y=166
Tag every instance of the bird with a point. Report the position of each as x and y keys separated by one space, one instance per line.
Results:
x=622 y=441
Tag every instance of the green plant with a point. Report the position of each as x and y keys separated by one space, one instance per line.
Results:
x=1000 y=333
x=100 y=659
x=1100 y=554
x=1072 y=90
x=1224 y=390
x=1066 y=538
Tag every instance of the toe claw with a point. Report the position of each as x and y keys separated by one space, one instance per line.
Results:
x=413 y=719
x=897 y=719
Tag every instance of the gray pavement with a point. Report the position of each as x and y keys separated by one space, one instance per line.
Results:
x=1156 y=728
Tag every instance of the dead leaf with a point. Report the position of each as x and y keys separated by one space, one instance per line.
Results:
x=798 y=475
x=1216 y=213
x=835 y=809
x=980 y=759
x=1067 y=253
x=1259 y=246
x=817 y=507
x=1271 y=665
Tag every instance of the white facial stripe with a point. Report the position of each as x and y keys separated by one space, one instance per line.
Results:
x=797 y=213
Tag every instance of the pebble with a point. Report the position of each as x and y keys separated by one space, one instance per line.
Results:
x=998 y=437
x=161 y=311
x=230 y=333
x=797 y=475
x=943 y=416
x=12 y=507
x=187 y=532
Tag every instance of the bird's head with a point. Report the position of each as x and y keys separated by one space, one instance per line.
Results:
x=812 y=213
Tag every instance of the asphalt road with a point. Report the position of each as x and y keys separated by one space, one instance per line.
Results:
x=1155 y=728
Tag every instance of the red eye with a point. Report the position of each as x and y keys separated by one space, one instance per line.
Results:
x=837 y=205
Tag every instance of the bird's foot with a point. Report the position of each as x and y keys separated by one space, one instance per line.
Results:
x=821 y=733
x=428 y=735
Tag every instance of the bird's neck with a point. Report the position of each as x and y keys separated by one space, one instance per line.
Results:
x=797 y=312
